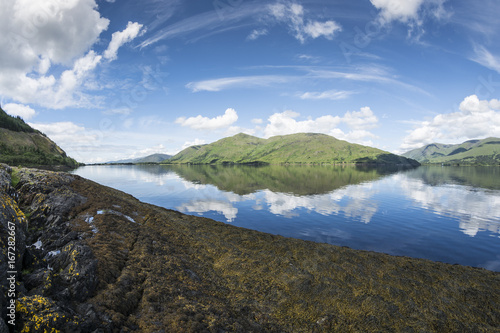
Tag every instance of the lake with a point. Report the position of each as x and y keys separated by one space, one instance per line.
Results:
x=448 y=214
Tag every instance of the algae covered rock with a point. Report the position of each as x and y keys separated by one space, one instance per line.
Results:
x=12 y=243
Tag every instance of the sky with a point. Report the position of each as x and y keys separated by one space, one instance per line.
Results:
x=118 y=79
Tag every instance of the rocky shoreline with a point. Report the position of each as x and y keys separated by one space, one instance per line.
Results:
x=93 y=259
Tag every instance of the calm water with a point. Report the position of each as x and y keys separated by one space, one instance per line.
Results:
x=449 y=214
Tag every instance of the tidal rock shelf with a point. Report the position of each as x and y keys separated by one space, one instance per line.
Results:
x=93 y=259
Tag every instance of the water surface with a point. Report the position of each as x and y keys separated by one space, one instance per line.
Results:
x=449 y=214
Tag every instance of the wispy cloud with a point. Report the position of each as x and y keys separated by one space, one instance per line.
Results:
x=365 y=76
x=238 y=81
x=287 y=13
x=293 y=15
x=160 y=10
x=206 y=22
x=308 y=58
x=256 y=33
x=376 y=74
x=485 y=58
x=480 y=17
x=329 y=94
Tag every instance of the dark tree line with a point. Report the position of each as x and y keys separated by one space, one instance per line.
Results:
x=14 y=123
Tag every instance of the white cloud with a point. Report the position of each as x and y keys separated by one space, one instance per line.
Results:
x=318 y=29
x=239 y=81
x=391 y=10
x=292 y=15
x=51 y=29
x=356 y=125
x=257 y=121
x=72 y=79
x=410 y=12
x=72 y=138
x=205 y=123
x=476 y=119
x=486 y=59
x=60 y=131
x=20 y=110
x=329 y=94
x=196 y=142
x=233 y=130
x=360 y=120
x=158 y=149
x=256 y=33
x=119 y=38
x=38 y=35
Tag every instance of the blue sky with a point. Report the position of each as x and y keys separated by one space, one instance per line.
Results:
x=117 y=79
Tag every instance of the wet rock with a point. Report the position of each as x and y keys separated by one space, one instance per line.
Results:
x=59 y=269
x=12 y=237
x=45 y=315
x=3 y=327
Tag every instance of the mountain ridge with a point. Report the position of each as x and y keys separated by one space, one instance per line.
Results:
x=300 y=148
x=153 y=158
x=470 y=152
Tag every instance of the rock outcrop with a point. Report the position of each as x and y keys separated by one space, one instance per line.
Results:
x=93 y=259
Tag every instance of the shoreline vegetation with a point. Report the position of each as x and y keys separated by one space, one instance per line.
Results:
x=94 y=258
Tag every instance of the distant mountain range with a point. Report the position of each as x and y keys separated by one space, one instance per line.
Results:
x=302 y=148
x=472 y=152
x=20 y=144
x=155 y=158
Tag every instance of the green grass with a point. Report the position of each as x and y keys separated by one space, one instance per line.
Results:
x=302 y=148
x=14 y=177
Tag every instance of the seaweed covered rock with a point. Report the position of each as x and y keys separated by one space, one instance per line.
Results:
x=12 y=241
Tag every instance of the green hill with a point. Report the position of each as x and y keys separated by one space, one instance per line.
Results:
x=472 y=152
x=20 y=144
x=302 y=148
x=154 y=158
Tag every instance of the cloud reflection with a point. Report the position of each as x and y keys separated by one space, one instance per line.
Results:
x=476 y=208
x=352 y=201
x=203 y=206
